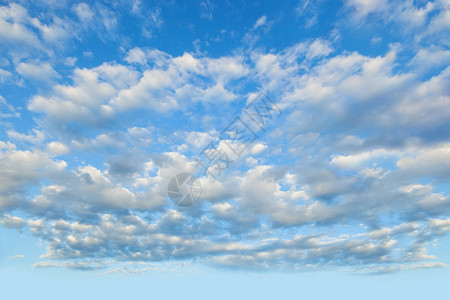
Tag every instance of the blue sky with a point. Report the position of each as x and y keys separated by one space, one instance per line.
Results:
x=345 y=187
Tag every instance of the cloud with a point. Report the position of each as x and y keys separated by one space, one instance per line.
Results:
x=198 y=139
x=57 y=148
x=35 y=138
x=362 y=8
x=318 y=48
x=136 y=55
x=5 y=76
x=257 y=148
x=162 y=88
x=356 y=161
x=260 y=22
x=12 y=222
x=89 y=96
x=22 y=169
x=16 y=256
x=351 y=177
x=39 y=71
x=378 y=250
x=56 y=32
x=84 y=12
x=207 y=10
x=11 y=111
x=12 y=26
x=341 y=177
x=432 y=160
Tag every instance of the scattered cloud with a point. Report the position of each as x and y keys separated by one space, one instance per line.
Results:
x=260 y=22
x=354 y=176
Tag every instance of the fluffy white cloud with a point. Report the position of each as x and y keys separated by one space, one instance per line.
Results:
x=35 y=138
x=357 y=161
x=12 y=222
x=430 y=160
x=85 y=101
x=379 y=250
x=39 y=71
x=136 y=55
x=22 y=169
x=13 y=28
x=57 y=148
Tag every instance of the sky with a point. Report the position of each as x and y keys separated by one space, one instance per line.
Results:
x=315 y=137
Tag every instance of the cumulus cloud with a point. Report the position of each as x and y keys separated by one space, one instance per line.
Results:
x=43 y=71
x=12 y=26
x=12 y=222
x=22 y=169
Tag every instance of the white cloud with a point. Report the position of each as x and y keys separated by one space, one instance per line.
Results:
x=10 y=108
x=55 y=32
x=22 y=169
x=260 y=22
x=360 y=134
x=224 y=210
x=12 y=26
x=430 y=160
x=364 y=7
x=16 y=256
x=426 y=106
x=373 y=172
x=318 y=48
x=12 y=222
x=136 y=55
x=57 y=148
x=187 y=63
x=84 y=12
x=36 y=138
x=5 y=76
x=81 y=102
x=206 y=10
x=416 y=188
x=357 y=161
x=257 y=148
x=216 y=93
x=162 y=88
x=38 y=71
x=147 y=93
x=200 y=139
x=226 y=68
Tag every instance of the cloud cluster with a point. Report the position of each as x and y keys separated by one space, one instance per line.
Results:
x=353 y=177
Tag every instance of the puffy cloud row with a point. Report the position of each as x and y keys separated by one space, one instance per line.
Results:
x=130 y=238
